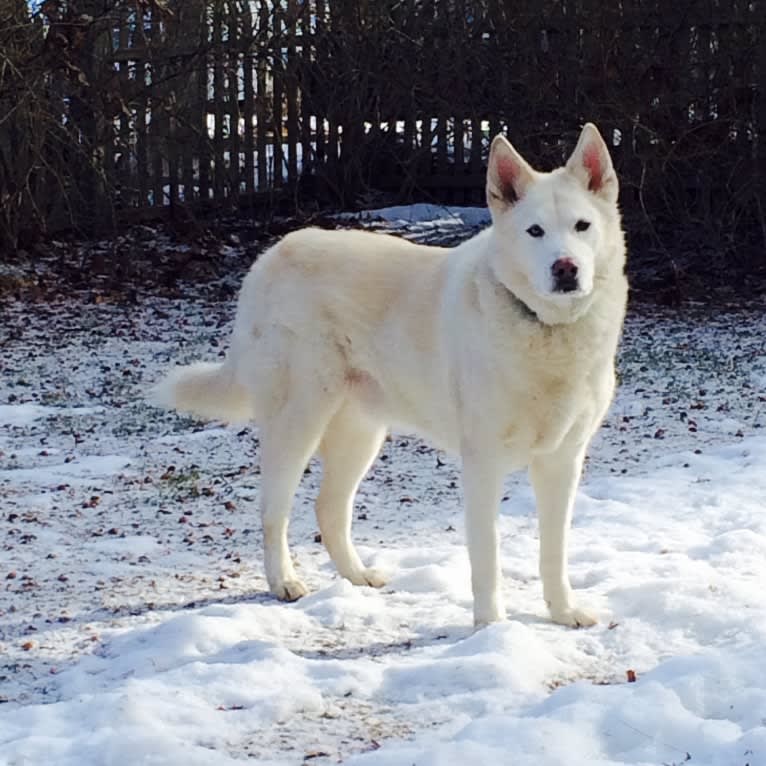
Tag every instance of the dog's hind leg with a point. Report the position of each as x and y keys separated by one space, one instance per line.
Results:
x=348 y=448
x=289 y=438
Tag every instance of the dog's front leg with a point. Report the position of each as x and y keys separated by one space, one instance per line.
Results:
x=482 y=487
x=555 y=478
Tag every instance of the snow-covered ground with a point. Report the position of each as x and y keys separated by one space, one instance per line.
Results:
x=135 y=627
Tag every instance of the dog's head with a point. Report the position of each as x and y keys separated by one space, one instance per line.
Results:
x=554 y=233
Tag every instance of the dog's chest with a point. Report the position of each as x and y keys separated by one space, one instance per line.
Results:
x=549 y=396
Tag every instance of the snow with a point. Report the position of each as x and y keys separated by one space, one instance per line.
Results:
x=426 y=213
x=80 y=470
x=135 y=626
x=433 y=224
x=23 y=414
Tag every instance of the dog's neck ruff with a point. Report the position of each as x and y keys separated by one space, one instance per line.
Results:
x=523 y=308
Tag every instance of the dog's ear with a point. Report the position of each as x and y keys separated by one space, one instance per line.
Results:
x=508 y=174
x=591 y=164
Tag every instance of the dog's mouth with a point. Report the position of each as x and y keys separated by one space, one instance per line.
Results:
x=565 y=293
x=562 y=306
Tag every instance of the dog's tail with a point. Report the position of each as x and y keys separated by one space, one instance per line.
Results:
x=205 y=389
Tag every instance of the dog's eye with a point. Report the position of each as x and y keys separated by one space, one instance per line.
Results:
x=582 y=225
x=535 y=231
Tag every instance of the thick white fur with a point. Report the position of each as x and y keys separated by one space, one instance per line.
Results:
x=341 y=335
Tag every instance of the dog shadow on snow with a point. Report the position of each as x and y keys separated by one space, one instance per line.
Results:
x=348 y=651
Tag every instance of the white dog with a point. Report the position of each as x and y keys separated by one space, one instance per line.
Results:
x=500 y=350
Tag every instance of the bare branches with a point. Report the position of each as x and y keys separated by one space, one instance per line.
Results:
x=162 y=105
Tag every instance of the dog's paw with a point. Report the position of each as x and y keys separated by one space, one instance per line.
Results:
x=484 y=617
x=290 y=590
x=372 y=577
x=572 y=616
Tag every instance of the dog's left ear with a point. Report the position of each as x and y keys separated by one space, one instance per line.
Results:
x=591 y=164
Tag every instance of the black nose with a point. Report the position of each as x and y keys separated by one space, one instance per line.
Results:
x=564 y=272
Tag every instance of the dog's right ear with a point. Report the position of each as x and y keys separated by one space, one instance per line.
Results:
x=508 y=174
